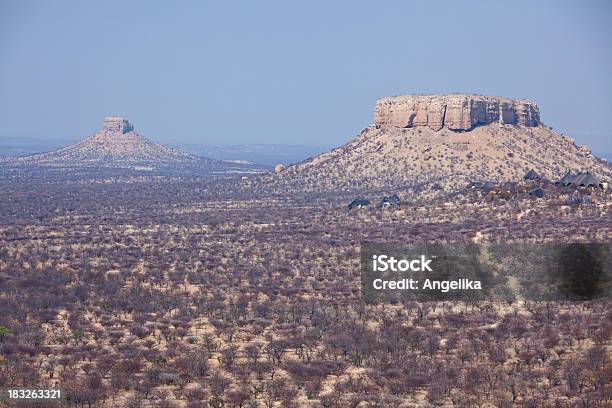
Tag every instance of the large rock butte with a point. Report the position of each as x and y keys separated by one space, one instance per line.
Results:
x=458 y=112
x=117 y=150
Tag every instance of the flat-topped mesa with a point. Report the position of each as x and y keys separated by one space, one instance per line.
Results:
x=458 y=112
x=116 y=124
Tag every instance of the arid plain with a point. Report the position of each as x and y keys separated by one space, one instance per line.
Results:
x=126 y=286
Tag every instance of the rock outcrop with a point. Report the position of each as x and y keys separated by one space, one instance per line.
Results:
x=459 y=112
x=116 y=124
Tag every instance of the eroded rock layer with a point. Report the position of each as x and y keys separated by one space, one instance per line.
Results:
x=458 y=112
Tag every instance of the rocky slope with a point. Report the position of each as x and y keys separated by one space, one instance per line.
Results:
x=450 y=140
x=116 y=146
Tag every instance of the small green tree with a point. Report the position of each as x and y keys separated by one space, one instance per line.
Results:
x=78 y=335
x=3 y=332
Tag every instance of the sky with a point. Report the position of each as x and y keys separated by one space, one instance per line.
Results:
x=288 y=72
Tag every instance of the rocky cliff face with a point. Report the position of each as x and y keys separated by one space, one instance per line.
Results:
x=459 y=112
x=116 y=124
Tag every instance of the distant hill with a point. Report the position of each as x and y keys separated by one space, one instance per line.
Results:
x=267 y=154
x=440 y=142
x=118 y=149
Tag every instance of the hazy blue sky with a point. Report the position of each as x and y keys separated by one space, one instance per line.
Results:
x=293 y=72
